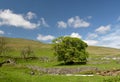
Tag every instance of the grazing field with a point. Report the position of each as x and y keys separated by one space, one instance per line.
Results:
x=44 y=67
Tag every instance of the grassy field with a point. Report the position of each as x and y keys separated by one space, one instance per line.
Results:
x=21 y=74
x=101 y=58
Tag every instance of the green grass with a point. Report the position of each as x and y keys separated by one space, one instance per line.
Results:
x=19 y=73
x=42 y=49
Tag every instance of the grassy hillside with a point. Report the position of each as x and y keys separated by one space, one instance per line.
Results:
x=17 y=44
x=105 y=51
x=100 y=58
x=39 y=48
x=20 y=43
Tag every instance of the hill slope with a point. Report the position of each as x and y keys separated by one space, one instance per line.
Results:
x=19 y=43
x=46 y=49
x=20 y=67
x=97 y=50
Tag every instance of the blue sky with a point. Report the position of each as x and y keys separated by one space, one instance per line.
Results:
x=97 y=22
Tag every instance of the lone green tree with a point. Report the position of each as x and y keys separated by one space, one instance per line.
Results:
x=70 y=50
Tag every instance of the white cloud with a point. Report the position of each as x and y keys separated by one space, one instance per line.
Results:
x=61 y=24
x=8 y=17
x=76 y=35
x=92 y=36
x=76 y=22
x=43 y=22
x=45 y=38
x=103 y=29
x=111 y=40
x=91 y=42
x=30 y=15
x=2 y=32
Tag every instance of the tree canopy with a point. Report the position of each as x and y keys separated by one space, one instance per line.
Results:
x=70 y=50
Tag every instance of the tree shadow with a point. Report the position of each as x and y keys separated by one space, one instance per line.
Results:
x=71 y=63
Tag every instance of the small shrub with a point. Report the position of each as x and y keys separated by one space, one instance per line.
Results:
x=27 y=52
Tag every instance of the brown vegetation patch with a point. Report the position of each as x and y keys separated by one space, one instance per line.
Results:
x=110 y=72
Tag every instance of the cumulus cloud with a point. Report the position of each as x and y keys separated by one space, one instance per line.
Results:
x=76 y=35
x=111 y=40
x=91 y=42
x=8 y=17
x=2 y=32
x=30 y=15
x=45 y=38
x=103 y=29
x=75 y=22
x=61 y=24
x=96 y=39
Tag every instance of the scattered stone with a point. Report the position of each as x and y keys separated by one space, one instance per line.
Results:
x=32 y=73
x=62 y=71
x=109 y=72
